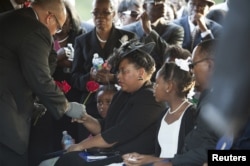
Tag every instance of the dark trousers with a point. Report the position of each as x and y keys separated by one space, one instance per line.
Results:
x=74 y=158
x=10 y=158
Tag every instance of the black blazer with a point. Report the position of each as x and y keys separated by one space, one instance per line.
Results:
x=170 y=32
x=131 y=121
x=25 y=45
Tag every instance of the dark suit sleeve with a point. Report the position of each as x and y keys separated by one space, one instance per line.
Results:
x=52 y=61
x=197 y=143
x=34 y=53
x=160 y=44
x=216 y=30
x=176 y=35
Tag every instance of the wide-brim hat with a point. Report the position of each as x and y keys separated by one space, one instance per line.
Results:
x=127 y=48
x=134 y=45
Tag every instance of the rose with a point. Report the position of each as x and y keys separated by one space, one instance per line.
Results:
x=124 y=39
x=63 y=85
x=26 y=4
x=92 y=87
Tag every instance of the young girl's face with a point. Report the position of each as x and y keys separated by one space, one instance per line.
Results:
x=103 y=101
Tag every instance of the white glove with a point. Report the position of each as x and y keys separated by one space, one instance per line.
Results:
x=76 y=110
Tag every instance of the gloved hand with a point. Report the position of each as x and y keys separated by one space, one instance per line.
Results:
x=76 y=110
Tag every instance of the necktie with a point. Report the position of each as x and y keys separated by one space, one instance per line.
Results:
x=193 y=35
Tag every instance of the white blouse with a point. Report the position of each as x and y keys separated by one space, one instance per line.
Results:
x=168 y=137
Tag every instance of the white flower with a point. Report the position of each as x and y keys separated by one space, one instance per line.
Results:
x=124 y=39
x=183 y=64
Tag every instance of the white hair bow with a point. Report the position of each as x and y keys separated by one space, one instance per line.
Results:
x=183 y=63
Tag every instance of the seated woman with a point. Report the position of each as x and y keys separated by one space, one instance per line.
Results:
x=173 y=83
x=130 y=124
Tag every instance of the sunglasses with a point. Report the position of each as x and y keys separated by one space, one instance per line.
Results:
x=103 y=13
x=191 y=66
x=131 y=13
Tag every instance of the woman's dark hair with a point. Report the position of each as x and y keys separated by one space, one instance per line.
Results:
x=75 y=21
x=183 y=79
x=141 y=59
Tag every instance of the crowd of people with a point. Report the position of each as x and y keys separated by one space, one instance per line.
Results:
x=156 y=87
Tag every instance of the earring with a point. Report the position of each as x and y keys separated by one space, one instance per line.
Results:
x=140 y=78
x=167 y=91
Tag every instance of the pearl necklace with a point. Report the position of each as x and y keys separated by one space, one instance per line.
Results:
x=63 y=40
x=100 y=40
x=177 y=109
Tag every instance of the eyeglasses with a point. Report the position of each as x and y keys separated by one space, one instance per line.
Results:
x=59 y=27
x=103 y=13
x=191 y=66
x=131 y=13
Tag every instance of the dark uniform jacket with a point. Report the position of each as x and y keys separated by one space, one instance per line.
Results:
x=25 y=45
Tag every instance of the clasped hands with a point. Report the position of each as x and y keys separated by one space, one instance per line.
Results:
x=102 y=76
x=76 y=110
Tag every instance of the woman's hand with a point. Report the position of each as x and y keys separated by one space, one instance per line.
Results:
x=104 y=76
x=75 y=147
x=136 y=159
x=82 y=120
x=132 y=159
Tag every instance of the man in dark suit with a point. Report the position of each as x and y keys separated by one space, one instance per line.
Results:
x=155 y=9
x=25 y=45
x=231 y=78
x=163 y=31
x=196 y=26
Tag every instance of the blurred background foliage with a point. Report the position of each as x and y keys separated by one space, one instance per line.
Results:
x=84 y=8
